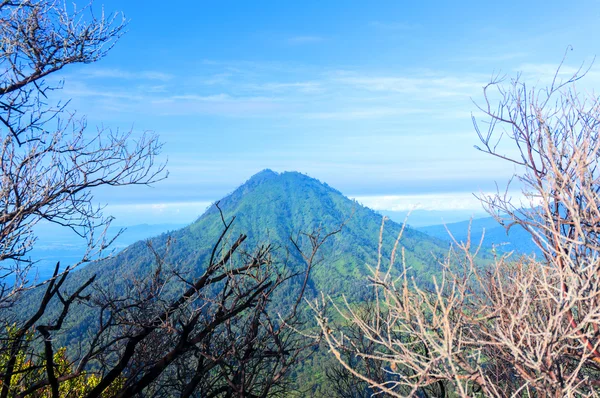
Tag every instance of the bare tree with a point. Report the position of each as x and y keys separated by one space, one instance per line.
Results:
x=343 y=383
x=520 y=326
x=219 y=337
x=49 y=162
x=164 y=332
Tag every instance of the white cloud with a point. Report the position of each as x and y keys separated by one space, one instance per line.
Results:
x=398 y=26
x=546 y=70
x=364 y=113
x=218 y=78
x=542 y=74
x=305 y=39
x=217 y=104
x=302 y=87
x=200 y=98
x=156 y=213
x=152 y=100
x=443 y=201
x=494 y=57
x=103 y=73
x=421 y=85
x=74 y=89
x=156 y=88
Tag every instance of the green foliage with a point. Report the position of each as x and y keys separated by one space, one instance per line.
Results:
x=31 y=370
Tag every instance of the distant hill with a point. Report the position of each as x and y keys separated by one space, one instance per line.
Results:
x=425 y=218
x=494 y=234
x=56 y=243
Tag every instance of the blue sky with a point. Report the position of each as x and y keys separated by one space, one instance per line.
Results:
x=373 y=98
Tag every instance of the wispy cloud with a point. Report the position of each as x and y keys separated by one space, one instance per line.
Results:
x=398 y=26
x=305 y=39
x=218 y=79
x=102 y=73
x=78 y=89
x=542 y=74
x=198 y=98
x=442 y=201
x=158 y=100
x=430 y=85
x=304 y=93
x=153 y=88
x=546 y=70
x=364 y=113
x=277 y=87
x=498 y=57
x=217 y=104
x=167 y=212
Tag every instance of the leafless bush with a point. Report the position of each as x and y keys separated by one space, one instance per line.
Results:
x=515 y=327
x=49 y=162
x=164 y=334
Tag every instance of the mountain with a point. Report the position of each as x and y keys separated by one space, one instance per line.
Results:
x=494 y=234
x=271 y=207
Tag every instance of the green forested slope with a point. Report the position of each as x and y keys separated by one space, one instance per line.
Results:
x=269 y=208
